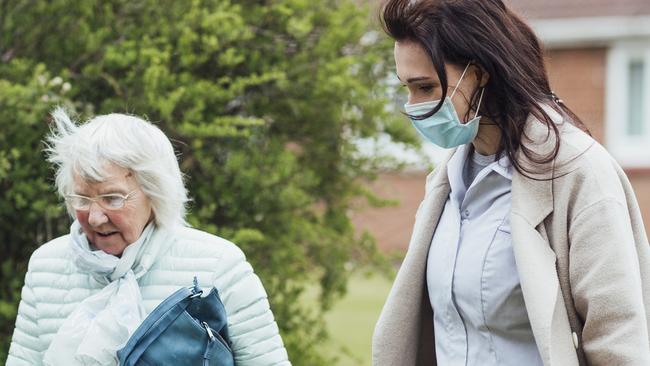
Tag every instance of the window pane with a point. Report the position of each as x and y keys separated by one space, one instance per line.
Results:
x=635 y=123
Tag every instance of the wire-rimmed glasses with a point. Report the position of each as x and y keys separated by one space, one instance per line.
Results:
x=109 y=201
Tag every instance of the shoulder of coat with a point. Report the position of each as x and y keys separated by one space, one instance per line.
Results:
x=55 y=248
x=587 y=172
x=579 y=152
x=53 y=256
x=204 y=244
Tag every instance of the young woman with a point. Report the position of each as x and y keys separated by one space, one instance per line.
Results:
x=529 y=247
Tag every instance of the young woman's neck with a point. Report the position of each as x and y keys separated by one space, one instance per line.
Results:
x=488 y=138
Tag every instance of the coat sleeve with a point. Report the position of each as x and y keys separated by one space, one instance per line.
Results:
x=606 y=285
x=252 y=329
x=26 y=346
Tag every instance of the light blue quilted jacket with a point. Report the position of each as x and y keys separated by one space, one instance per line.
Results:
x=54 y=286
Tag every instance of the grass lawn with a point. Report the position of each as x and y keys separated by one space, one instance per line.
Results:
x=352 y=320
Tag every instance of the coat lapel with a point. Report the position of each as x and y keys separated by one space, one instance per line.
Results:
x=532 y=202
x=427 y=217
x=401 y=322
x=536 y=267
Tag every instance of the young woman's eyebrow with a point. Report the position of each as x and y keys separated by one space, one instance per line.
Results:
x=417 y=78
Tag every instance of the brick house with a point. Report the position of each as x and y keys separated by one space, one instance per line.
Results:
x=599 y=64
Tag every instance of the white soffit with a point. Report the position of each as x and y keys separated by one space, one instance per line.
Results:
x=595 y=31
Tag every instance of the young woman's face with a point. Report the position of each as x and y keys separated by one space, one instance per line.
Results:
x=415 y=70
x=113 y=230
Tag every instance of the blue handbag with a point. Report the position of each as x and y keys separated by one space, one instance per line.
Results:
x=185 y=329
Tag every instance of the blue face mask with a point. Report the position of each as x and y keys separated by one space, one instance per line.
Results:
x=444 y=128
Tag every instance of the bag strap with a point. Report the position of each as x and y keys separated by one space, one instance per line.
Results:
x=156 y=323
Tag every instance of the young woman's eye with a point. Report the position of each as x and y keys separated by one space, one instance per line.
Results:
x=426 y=88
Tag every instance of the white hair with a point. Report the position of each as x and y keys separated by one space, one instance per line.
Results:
x=126 y=141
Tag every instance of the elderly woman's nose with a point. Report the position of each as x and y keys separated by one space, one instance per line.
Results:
x=96 y=215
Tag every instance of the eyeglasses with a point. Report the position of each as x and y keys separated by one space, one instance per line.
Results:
x=111 y=201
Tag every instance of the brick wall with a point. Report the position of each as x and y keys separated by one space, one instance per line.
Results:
x=640 y=179
x=578 y=78
x=392 y=225
x=554 y=9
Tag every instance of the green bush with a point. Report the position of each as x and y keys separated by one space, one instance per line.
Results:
x=263 y=101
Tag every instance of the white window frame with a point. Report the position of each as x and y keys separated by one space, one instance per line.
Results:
x=629 y=151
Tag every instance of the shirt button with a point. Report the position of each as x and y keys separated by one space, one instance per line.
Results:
x=575 y=340
x=466 y=213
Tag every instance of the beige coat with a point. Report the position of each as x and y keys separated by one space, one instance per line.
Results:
x=582 y=255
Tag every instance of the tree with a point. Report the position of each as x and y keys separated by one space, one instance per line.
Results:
x=263 y=100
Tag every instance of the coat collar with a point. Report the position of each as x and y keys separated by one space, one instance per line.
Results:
x=532 y=195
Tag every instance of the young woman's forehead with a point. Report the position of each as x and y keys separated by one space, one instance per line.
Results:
x=413 y=64
x=412 y=61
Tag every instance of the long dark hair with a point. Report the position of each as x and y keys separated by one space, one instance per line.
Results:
x=486 y=33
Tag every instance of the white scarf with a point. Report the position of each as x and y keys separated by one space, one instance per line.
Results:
x=102 y=323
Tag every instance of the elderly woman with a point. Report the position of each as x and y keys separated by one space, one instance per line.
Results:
x=123 y=187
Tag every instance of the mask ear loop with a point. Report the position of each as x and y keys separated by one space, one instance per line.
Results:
x=459 y=81
x=479 y=102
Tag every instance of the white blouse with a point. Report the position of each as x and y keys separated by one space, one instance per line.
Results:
x=479 y=313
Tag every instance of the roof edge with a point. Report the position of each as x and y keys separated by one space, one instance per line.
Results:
x=590 y=31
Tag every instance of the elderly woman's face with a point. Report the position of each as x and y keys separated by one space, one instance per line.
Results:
x=113 y=230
